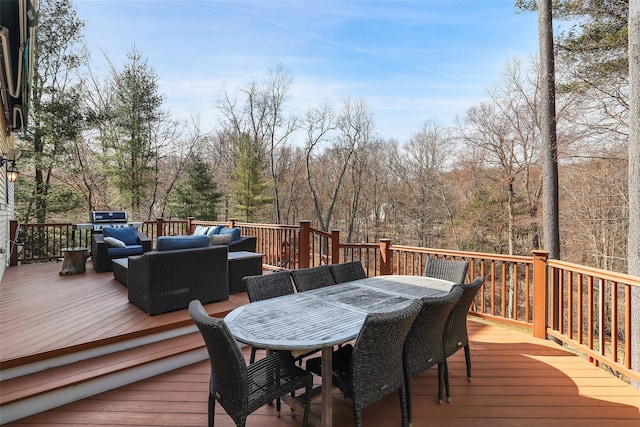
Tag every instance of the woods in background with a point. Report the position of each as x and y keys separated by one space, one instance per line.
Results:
x=110 y=142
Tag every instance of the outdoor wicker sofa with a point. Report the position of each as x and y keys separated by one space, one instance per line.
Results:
x=162 y=281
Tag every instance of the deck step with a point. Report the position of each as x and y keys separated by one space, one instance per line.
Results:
x=38 y=391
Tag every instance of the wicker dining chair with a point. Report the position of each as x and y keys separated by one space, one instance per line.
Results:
x=372 y=368
x=455 y=330
x=242 y=389
x=424 y=345
x=267 y=286
x=446 y=269
x=348 y=271
x=307 y=279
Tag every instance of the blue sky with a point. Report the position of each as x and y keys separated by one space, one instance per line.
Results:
x=411 y=61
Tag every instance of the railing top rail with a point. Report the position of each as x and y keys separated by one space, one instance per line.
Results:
x=496 y=257
x=274 y=226
x=47 y=224
x=592 y=271
x=320 y=232
x=359 y=245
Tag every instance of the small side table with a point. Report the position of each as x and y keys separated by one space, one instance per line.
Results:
x=239 y=265
x=74 y=260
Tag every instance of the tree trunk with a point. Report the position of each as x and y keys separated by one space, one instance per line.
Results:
x=549 y=155
x=548 y=131
x=633 y=248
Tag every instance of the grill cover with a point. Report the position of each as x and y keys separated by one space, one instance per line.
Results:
x=98 y=217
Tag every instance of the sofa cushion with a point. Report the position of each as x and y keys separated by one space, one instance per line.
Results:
x=112 y=241
x=219 y=239
x=201 y=230
x=235 y=233
x=113 y=252
x=214 y=230
x=171 y=243
x=128 y=235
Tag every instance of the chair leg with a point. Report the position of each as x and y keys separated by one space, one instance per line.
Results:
x=446 y=381
x=467 y=358
x=307 y=403
x=252 y=358
x=403 y=407
x=357 y=416
x=212 y=410
x=440 y=381
x=407 y=386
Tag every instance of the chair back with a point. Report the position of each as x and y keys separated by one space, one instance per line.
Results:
x=267 y=286
x=455 y=332
x=348 y=271
x=424 y=345
x=307 y=279
x=376 y=361
x=228 y=382
x=446 y=269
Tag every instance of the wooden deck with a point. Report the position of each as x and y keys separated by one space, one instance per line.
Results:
x=517 y=380
x=43 y=313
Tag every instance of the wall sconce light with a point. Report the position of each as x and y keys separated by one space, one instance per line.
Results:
x=10 y=161
x=12 y=171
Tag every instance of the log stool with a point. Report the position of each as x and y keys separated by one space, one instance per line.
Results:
x=74 y=260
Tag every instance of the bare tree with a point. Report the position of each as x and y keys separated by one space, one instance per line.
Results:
x=420 y=166
x=279 y=129
x=504 y=133
x=318 y=125
x=356 y=133
x=171 y=163
x=261 y=115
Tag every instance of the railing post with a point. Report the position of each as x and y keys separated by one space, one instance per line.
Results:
x=385 y=257
x=159 y=227
x=190 y=224
x=540 y=294
x=232 y=223
x=335 y=246
x=13 y=242
x=305 y=247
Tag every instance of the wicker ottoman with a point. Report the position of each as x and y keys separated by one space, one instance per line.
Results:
x=242 y=263
x=120 y=268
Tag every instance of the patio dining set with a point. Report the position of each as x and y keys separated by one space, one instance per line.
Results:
x=373 y=335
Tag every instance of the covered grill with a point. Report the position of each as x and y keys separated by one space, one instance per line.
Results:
x=101 y=219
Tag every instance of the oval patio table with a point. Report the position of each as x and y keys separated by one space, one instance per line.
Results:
x=324 y=317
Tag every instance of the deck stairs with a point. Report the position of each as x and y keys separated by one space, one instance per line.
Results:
x=42 y=382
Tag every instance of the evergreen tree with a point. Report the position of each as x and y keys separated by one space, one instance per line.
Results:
x=196 y=194
x=133 y=145
x=248 y=187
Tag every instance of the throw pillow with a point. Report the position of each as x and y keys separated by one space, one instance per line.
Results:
x=200 y=230
x=235 y=233
x=112 y=241
x=128 y=235
x=219 y=239
x=214 y=230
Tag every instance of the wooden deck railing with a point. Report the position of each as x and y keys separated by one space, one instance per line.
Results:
x=592 y=313
x=585 y=309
